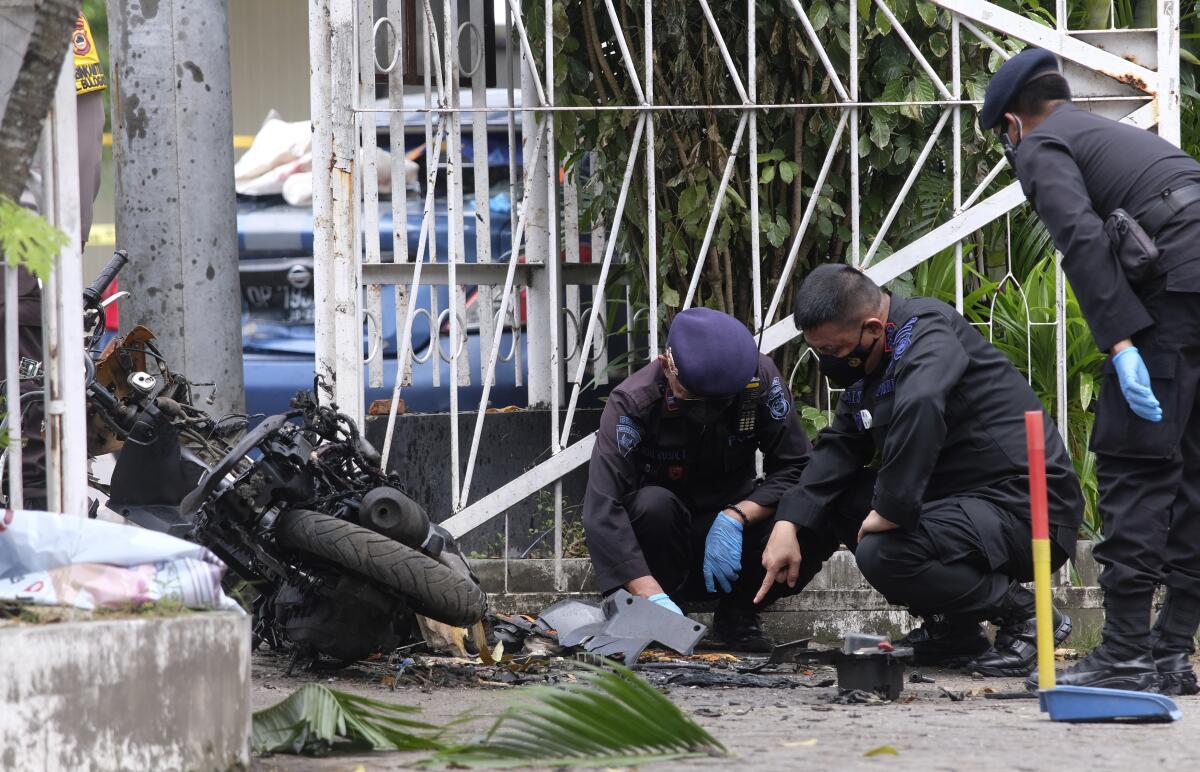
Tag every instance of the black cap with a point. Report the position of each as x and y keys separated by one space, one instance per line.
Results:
x=1011 y=76
x=715 y=354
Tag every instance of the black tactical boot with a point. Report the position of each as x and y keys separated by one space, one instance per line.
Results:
x=943 y=641
x=1015 y=651
x=1176 y=674
x=1172 y=642
x=1107 y=670
x=739 y=629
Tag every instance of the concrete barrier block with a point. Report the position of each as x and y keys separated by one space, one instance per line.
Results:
x=160 y=693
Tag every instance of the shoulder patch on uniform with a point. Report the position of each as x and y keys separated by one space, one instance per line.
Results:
x=852 y=396
x=903 y=339
x=629 y=435
x=777 y=400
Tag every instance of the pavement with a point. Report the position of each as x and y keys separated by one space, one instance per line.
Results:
x=798 y=726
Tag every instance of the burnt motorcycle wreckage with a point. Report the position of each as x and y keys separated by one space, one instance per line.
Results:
x=333 y=557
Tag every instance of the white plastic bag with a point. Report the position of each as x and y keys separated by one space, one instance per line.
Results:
x=278 y=142
x=67 y=560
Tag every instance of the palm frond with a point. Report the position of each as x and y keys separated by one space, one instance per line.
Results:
x=611 y=717
x=315 y=720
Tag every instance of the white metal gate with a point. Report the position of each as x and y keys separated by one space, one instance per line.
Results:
x=1129 y=74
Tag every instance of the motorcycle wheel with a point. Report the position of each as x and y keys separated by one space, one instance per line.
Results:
x=432 y=589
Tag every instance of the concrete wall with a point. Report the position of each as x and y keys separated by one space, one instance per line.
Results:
x=131 y=694
x=838 y=601
x=268 y=53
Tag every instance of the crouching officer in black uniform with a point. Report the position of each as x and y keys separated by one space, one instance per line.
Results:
x=674 y=510
x=931 y=428
x=1120 y=203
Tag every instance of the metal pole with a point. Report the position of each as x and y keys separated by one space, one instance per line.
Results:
x=956 y=149
x=320 y=110
x=172 y=130
x=12 y=388
x=855 y=234
x=62 y=310
x=755 y=235
x=652 y=185
x=536 y=248
x=340 y=359
x=1168 y=70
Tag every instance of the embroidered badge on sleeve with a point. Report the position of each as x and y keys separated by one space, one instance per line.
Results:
x=903 y=339
x=777 y=400
x=628 y=435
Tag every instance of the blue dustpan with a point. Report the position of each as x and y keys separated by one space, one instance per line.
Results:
x=1071 y=703
x=1081 y=704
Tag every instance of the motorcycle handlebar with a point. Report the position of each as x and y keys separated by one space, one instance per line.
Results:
x=91 y=295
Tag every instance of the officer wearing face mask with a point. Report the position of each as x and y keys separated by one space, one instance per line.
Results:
x=930 y=426
x=675 y=510
x=1121 y=205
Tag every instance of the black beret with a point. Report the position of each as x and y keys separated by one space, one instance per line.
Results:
x=715 y=354
x=1013 y=74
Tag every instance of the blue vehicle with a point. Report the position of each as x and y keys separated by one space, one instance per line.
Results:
x=275 y=250
x=278 y=340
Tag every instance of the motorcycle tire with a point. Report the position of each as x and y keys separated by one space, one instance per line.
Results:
x=432 y=589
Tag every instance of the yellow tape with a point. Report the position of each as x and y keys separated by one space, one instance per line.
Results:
x=1045 y=613
x=240 y=141
x=104 y=234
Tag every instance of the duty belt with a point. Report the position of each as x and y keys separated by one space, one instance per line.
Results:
x=1169 y=203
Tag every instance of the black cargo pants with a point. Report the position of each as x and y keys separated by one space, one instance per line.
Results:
x=1149 y=473
x=965 y=558
x=672 y=536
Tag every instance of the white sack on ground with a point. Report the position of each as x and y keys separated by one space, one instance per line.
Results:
x=64 y=560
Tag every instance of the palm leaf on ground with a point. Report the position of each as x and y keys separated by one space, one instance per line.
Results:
x=316 y=720
x=610 y=718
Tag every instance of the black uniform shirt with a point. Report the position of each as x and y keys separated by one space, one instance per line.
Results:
x=644 y=440
x=1076 y=168
x=944 y=416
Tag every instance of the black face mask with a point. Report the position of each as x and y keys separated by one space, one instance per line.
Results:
x=704 y=411
x=846 y=371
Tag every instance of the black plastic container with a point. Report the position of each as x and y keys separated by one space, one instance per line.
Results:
x=880 y=673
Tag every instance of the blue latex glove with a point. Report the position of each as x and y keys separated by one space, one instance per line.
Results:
x=1135 y=384
x=665 y=601
x=723 y=553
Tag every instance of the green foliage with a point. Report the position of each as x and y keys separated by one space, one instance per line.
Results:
x=691 y=149
x=315 y=720
x=27 y=240
x=610 y=718
x=813 y=420
x=692 y=146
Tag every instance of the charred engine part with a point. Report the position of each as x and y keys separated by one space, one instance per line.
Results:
x=344 y=620
x=142 y=382
x=369 y=452
x=388 y=511
x=152 y=500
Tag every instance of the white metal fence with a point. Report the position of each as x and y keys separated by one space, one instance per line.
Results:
x=55 y=191
x=1132 y=75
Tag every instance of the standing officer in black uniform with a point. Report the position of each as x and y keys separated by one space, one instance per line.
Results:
x=1119 y=203
x=674 y=510
x=937 y=414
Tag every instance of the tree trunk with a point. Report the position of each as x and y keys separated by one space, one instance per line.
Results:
x=33 y=91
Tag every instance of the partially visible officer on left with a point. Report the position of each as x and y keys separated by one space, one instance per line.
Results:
x=675 y=510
